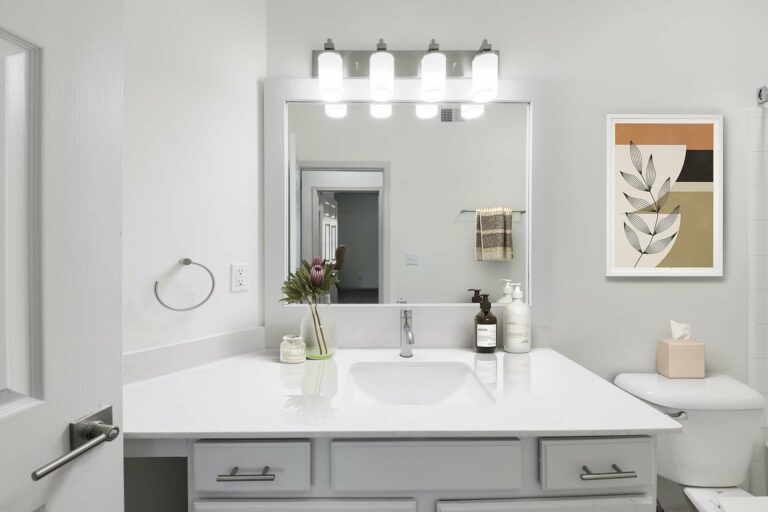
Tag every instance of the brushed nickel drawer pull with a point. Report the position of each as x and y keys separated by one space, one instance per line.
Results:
x=617 y=473
x=234 y=476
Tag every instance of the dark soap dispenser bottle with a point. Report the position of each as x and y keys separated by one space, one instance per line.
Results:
x=475 y=296
x=485 y=327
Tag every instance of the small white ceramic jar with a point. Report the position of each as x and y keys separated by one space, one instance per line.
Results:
x=293 y=349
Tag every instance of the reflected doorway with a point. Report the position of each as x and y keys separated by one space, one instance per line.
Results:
x=342 y=222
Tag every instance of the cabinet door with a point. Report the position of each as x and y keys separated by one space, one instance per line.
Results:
x=636 y=504
x=405 y=505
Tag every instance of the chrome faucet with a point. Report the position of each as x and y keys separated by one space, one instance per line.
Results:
x=406 y=333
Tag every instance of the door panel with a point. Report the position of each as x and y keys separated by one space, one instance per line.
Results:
x=74 y=347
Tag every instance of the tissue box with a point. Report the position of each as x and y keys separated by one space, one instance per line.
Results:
x=680 y=359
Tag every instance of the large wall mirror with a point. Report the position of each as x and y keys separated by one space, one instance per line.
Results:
x=392 y=202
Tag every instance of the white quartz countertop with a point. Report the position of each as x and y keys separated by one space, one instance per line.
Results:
x=538 y=394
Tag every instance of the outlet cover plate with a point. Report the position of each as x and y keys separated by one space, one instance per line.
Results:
x=238 y=277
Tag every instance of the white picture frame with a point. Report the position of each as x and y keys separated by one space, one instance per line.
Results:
x=681 y=150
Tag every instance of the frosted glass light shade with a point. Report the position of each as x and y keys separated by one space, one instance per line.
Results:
x=336 y=110
x=472 y=111
x=330 y=76
x=381 y=110
x=382 y=76
x=426 y=110
x=433 y=76
x=485 y=77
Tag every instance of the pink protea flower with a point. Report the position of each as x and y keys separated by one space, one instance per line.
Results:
x=316 y=275
x=317 y=261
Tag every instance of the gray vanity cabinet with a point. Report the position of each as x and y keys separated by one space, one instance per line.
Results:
x=420 y=465
x=563 y=474
x=307 y=506
x=641 y=504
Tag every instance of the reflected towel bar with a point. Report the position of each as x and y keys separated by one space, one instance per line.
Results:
x=475 y=211
x=187 y=262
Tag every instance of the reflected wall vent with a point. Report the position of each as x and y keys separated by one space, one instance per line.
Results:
x=450 y=115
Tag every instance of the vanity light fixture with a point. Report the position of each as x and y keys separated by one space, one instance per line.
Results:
x=433 y=74
x=330 y=73
x=381 y=110
x=382 y=73
x=472 y=111
x=336 y=110
x=485 y=74
x=426 y=110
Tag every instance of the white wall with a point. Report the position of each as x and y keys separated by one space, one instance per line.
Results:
x=434 y=170
x=757 y=122
x=193 y=165
x=602 y=56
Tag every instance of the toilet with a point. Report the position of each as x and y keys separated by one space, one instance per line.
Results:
x=721 y=419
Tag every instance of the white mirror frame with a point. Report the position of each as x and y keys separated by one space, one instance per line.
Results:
x=377 y=325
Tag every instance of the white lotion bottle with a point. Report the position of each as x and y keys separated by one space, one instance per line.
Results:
x=517 y=322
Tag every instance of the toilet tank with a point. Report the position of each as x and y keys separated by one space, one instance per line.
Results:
x=721 y=419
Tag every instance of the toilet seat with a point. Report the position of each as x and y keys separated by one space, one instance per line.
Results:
x=728 y=499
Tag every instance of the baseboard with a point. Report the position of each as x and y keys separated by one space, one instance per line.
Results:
x=146 y=364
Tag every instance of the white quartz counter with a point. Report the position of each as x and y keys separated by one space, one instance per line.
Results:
x=537 y=394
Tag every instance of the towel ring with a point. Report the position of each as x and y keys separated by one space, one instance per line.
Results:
x=187 y=261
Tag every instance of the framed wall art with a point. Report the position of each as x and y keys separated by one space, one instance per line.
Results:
x=665 y=195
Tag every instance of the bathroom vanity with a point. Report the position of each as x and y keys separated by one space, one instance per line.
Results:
x=447 y=430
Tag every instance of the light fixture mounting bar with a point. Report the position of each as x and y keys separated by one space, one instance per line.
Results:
x=762 y=92
x=407 y=63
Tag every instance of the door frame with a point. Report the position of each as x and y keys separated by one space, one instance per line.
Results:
x=384 y=229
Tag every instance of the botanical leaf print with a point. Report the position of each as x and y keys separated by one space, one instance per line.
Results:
x=644 y=183
x=663 y=194
x=659 y=245
x=638 y=204
x=632 y=238
x=650 y=173
x=634 y=181
x=639 y=223
x=667 y=222
x=637 y=157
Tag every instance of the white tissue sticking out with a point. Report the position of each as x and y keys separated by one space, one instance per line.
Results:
x=680 y=331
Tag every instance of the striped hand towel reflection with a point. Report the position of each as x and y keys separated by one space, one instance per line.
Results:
x=493 y=234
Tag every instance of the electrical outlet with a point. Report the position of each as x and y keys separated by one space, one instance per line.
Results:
x=238 y=277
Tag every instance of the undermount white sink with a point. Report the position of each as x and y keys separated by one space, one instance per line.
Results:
x=410 y=383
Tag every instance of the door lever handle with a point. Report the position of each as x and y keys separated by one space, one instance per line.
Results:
x=84 y=435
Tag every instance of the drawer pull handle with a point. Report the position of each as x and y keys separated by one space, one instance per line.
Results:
x=234 y=476
x=616 y=474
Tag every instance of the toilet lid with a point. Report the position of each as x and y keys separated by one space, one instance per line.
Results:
x=751 y=504
x=715 y=392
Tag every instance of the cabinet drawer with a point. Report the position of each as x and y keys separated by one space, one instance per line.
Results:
x=621 y=463
x=262 y=467
x=424 y=465
x=634 y=504
x=307 y=506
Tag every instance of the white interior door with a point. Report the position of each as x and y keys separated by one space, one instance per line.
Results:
x=60 y=248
